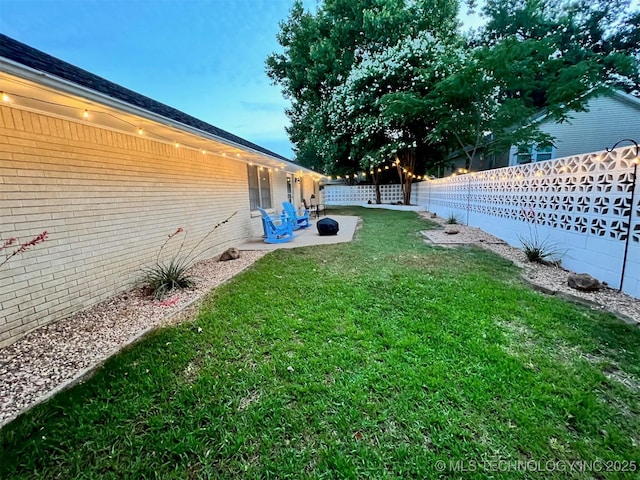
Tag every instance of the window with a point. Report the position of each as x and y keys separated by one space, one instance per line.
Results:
x=544 y=153
x=525 y=153
x=533 y=153
x=259 y=187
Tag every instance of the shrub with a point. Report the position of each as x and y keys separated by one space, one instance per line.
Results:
x=163 y=277
x=453 y=219
x=541 y=250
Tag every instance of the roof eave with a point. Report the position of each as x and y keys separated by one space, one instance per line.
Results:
x=52 y=81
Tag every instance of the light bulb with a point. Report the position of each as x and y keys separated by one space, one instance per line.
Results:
x=5 y=97
x=140 y=131
x=86 y=113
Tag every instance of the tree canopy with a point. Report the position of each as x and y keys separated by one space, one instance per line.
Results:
x=374 y=80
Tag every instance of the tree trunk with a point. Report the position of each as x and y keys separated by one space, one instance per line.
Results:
x=376 y=180
x=409 y=162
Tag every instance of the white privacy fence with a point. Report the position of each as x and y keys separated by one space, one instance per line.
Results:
x=361 y=194
x=587 y=205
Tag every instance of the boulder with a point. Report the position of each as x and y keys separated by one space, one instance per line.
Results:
x=584 y=282
x=451 y=230
x=230 y=254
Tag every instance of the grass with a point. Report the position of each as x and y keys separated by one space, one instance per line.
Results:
x=373 y=359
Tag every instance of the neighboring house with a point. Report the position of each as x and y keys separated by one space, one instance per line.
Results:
x=109 y=174
x=608 y=119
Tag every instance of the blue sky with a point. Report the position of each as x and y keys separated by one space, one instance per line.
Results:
x=204 y=57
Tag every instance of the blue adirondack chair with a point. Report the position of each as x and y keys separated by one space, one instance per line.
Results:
x=276 y=232
x=297 y=221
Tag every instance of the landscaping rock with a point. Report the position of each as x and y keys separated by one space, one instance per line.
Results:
x=434 y=215
x=230 y=254
x=583 y=281
x=451 y=230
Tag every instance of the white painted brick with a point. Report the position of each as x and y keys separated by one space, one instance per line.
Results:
x=108 y=200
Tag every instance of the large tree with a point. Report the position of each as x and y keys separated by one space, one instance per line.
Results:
x=532 y=56
x=319 y=51
x=414 y=64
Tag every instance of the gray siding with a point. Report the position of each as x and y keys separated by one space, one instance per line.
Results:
x=608 y=120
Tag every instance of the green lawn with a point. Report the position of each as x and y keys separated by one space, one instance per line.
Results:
x=373 y=359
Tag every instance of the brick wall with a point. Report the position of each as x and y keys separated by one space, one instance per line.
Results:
x=108 y=201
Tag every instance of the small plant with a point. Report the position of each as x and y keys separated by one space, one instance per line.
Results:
x=535 y=249
x=163 y=277
x=453 y=219
x=22 y=248
x=541 y=250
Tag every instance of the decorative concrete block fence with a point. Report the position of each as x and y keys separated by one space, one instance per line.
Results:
x=587 y=205
x=361 y=194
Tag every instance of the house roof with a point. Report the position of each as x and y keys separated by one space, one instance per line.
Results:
x=37 y=60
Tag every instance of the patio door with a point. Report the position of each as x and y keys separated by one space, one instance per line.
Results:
x=290 y=189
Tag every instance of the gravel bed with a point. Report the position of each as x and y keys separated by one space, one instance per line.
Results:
x=548 y=279
x=57 y=355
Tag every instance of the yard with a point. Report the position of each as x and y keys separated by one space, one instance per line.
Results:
x=372 y=359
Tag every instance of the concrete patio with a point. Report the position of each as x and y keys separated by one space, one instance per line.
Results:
x=309 y=236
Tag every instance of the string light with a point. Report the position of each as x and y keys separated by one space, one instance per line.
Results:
x=5 y=97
